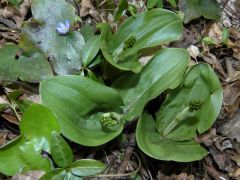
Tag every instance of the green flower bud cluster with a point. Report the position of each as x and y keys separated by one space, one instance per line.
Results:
x=129 y=42
x=196 y=105
x=108 y=121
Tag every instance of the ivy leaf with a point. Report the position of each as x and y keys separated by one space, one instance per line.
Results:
x=8 y=62
x=196 y=8
x=148 y=29
x=158 y=147
x=79 y=104
x=200 y=82
x=61 y=152
x=33 y=68
x=24 y=153
x=64 y=50
x=164 y=71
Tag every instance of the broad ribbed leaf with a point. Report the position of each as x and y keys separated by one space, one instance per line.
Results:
x=164 y=71
x=90 y=50
x=64 y=51
x=151 y=28
x=78 y=103
x=158 y=147
x=199 y=83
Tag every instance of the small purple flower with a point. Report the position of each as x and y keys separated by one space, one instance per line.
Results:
x=63 y=28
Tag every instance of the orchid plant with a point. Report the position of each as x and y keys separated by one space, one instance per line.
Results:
x=97 y=84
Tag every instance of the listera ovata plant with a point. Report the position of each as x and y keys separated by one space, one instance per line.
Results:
x=88 y=112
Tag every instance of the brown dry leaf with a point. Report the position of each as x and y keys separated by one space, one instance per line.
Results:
x=96 y=16
x=207 y=138
x=16 y=14
x=235 y=174
x=31 y=97
x=215 y=174
x=3 y=99
x=10 y=118
x=231 y=100
x=2 y=42
x=3 y=3
x=215 y=33
x=236 y=53
x=233 y=75
x=9 y=12
x=3 y=137
x=212 y=59
x=86 y=5
x=234 y=35
x=11 y=36
x=236 y=158
x=32 y=175
x=182 y=176
x=188 y=38
x=219 y=157
x=231 y=128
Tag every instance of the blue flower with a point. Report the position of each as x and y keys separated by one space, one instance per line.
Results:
x=63 y=28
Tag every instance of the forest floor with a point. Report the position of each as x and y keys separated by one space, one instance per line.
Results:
x=222 y=141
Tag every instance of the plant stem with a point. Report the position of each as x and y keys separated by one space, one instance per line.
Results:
x=179 y=118
x=15 y=112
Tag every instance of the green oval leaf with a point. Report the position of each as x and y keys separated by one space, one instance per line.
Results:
x=151 y=28
x=87 y=167
x=61 y=152
x=78 y=103
x=158 y=147
x=200 y=82
x=39 y=116
x=24 y=153
x=164 y=71
x=21 y=156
